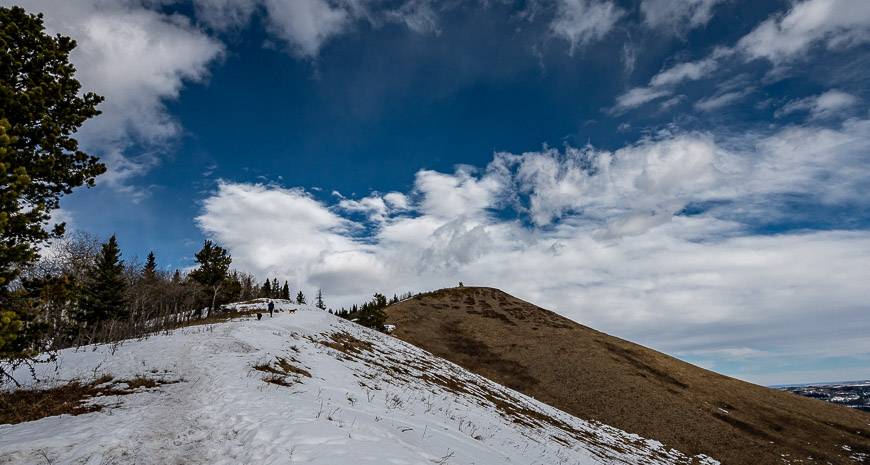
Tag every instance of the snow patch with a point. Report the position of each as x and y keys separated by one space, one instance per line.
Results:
x=347 y=395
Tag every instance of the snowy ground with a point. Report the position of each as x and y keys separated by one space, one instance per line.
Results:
x=369 y=399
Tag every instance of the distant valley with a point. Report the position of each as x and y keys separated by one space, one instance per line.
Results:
x=853 y=394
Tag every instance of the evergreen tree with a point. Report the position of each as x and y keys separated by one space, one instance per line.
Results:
x=214 y=263
x=285 y=291
x=372 y=313
x=232 y=288
x=149 y=272
x=104 y=286
x=276 y=289
x=318 y=301
x=176 y=277
x=266 y=289
x=352 y=313
x=300 y=298
x=58 y=295
x=41 y=107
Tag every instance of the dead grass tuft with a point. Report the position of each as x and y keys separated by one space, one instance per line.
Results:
x=32 y=404
x=279 y=380
x=141 y=382
x=22 y=405
x=282 y=372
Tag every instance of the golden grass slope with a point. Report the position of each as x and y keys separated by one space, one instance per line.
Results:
x=596 y=376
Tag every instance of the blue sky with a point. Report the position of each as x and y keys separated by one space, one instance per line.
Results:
x=689 y=175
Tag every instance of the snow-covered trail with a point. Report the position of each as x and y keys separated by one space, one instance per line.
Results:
x=370 y=399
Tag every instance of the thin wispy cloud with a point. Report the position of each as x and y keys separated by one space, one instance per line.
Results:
x=582 y=21
x=829 y=104
x=784 y=38
x=677 y=16
x=833 y=24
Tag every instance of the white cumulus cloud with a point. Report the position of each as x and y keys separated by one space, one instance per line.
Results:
x=604 y=242
x=138 y=59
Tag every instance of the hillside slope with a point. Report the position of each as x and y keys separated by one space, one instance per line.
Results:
x=595 y=376
x=306 y=387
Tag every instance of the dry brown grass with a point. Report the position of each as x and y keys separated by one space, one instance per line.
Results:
x=72 y=398
x=595 y=376
x=282 y=372
x=279 y=380
x=345 y=343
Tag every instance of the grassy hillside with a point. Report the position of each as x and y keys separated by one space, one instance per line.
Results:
x=596 y=376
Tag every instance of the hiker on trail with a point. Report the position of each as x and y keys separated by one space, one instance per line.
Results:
x=271 y=308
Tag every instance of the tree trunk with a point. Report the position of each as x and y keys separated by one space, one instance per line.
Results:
x=213 y=299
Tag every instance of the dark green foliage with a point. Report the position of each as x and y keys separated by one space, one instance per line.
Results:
x=318 y=301
x=22 y=331
x=40 y=109
x=370 y=314
x=149 y=272
x=57 y=296
x=300 y=298
x=272 y=289
x=231 y=288
x=102 y=297
x=372 y=318
x=214 y=263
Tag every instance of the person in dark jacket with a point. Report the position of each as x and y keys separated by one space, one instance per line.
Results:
x=271 y=308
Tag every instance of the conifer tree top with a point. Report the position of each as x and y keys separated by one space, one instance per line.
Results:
x=40 y=109
x=214 y=264
x=149 y=272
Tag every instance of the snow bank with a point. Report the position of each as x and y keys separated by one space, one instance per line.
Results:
x=306 y=387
